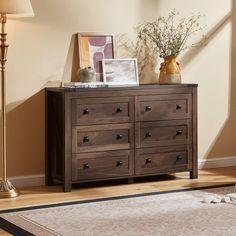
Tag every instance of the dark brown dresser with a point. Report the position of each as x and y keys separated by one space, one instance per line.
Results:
x=97 y=134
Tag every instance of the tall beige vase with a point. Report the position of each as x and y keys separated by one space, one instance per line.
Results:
x=170 y=71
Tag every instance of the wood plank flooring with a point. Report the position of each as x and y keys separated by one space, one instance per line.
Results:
x=32 y=196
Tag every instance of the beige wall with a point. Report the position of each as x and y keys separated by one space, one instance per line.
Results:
x=38 y=50
x=212 y=66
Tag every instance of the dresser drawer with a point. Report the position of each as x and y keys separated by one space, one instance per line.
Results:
x=102 y=165
x=163 y=160
x=163 y=107
x=163 y=133
x=102 y=110
x=102 y=137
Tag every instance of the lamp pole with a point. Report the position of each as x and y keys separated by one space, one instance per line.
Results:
x=7 y=190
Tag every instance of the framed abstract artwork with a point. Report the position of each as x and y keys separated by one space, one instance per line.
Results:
x=93 y=48
x=119 y=72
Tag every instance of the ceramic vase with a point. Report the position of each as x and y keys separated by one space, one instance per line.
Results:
x=85 y=75
x=170 y=71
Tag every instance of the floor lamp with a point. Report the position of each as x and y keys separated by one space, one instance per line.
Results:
x=14 y=8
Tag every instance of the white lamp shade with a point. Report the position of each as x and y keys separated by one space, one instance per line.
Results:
x=16 y=8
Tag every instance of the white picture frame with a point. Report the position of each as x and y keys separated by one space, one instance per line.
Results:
x=120 y=72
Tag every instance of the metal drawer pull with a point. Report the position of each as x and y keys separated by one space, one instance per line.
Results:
x=178 y=107
x=179 y=158
x=119 y=136
x=148 y=161
x=119 y=110
x=148 y=135
x=86 y=139
x=179 y=132
x=86 y=166
x=148 y=108
x=86 y=111
x=119 y=163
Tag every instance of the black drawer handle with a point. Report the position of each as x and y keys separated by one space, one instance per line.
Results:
x=119 y=136
x=148 y=135
x=148 y=160
x=178 y=107
x=148 y=108
x=86 y=139
x=86 y=111
x=179 y=132
x=86 y=166
x=179 y=158
x=119 y=110
x=119 y=163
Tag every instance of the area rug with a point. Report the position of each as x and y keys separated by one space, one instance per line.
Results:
x=168 y=214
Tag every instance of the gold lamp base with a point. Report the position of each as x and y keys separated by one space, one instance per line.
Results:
x=7 y=190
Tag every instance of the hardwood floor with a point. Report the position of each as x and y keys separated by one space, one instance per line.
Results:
x=4 y=233
x=32 y=196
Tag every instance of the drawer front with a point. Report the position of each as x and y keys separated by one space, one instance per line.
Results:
x=163 y=160
x=163 y=133
x=102 y=165
x=102 y=110
x=102 y=137
x=163 y=107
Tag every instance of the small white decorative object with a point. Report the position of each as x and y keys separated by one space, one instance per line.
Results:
x=225 y=199
x=208 y=199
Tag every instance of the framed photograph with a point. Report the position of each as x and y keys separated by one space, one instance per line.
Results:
x=93 y=48
x=118 y=72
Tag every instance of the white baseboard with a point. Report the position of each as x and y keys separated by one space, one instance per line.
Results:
x=39 y=180
x=217 y=162
x=28 y=180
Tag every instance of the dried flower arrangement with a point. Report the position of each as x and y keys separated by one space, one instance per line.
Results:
x=164 y=37
x=169 y=38
x=142 y=49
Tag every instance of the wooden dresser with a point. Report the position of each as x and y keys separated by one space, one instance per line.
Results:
x=109 y=133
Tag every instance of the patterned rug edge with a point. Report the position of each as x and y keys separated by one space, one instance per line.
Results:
x=13 y=229
x=111 y=198
x=17 y=231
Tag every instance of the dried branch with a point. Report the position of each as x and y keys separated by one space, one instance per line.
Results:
x=166 y=36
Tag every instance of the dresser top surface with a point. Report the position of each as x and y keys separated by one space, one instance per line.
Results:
x=138 y=87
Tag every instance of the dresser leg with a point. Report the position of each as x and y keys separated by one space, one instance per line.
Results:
x=193 y=174
x=130 y=180
x=49 y=181
x=66 y=188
